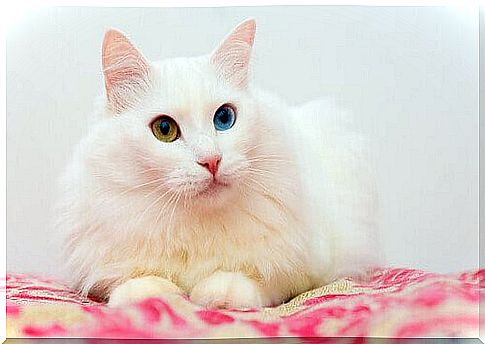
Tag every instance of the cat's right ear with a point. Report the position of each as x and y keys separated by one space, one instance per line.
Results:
x=126 y=71
x=231 y=58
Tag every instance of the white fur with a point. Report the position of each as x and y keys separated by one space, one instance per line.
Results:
x=137 y=289
x=298 y=211
x=229 y=290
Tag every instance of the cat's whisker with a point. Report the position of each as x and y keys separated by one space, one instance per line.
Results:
x=158 y=180
x=155 y=190
x=173 y=209
x=262 y=172
x=151 y=170
x=272 y=197
x=167 y=228
x=185 y=196
x=260 y=184
x=268 y=161
x=267 y=191
x=268 y=158
x=252 y=148
x=141 y=155
x=140 y=217
x=165 y=206
x=268 y=175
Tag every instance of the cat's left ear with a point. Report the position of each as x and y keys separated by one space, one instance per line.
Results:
x=231 y=58
x=126 y=71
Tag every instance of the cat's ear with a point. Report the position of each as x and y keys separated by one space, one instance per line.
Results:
x=126 y=71
x=231 y=58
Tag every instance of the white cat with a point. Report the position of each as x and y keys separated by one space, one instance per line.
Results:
x=193 y=181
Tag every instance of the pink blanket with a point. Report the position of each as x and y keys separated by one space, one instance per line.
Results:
x=393 y=303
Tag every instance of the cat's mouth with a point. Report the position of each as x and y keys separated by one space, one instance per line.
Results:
x=214 y=188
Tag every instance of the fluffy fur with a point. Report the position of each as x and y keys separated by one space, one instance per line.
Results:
x=295 y=209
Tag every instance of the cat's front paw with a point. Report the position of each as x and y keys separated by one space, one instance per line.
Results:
x=137 y=289
x=229 y=290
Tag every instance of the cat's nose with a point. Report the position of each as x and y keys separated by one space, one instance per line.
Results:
x=211 y=163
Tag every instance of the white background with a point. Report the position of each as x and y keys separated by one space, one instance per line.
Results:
x=409 y=75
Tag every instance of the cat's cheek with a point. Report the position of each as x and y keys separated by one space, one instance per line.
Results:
x=229 y=290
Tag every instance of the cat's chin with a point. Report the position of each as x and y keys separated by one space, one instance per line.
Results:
x=216 y=194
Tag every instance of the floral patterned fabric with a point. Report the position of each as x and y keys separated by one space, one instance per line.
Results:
x=391 y=303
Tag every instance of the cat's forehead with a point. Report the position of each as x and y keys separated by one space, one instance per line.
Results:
x=189 y=84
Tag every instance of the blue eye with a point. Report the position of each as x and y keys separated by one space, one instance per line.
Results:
x=224 y=117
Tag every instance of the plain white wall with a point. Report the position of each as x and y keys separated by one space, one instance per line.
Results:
x=409 y=75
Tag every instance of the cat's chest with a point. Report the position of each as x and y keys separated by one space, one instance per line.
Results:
x=260 y=261
x=257 y=250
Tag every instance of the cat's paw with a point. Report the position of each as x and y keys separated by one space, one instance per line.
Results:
x=137 y=289
x=229 y=290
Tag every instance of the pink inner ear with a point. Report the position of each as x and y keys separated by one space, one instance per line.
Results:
x=122 y=63
x=126 y=72
x=232 y=57
x=245 y=32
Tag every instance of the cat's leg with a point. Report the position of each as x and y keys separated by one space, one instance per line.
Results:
x=229 y=290
x=137 y=289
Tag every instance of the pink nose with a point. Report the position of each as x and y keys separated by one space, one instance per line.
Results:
x=211 y=163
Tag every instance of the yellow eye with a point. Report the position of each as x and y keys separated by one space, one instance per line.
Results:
x=165 y=129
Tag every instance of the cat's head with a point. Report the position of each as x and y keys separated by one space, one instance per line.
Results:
x=184 y=130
